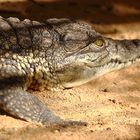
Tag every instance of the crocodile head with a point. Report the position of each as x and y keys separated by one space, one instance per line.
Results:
x=84 y=54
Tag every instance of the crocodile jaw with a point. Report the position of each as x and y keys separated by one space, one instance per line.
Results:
x=89 y=74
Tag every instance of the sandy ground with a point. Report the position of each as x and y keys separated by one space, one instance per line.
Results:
x=111 y=103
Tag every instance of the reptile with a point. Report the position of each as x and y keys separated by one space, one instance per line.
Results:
x=51 y=55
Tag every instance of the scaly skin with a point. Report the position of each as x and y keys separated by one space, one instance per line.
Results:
x=56 y=54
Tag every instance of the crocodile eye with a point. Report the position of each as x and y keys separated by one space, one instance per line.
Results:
x=99 y=42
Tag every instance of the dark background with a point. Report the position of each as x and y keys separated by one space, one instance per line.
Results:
x=95 y=11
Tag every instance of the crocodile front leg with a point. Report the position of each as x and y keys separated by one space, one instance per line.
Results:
x=20 y=103
x=26 y=106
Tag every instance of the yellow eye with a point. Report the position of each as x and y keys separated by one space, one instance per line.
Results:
x=99 y=42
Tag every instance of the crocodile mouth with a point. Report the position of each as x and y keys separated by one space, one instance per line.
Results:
x=113 y=62
x=113 y=65
x=125 y=63
x=89 y=72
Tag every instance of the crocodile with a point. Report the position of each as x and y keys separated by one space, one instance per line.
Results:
x=52 y=55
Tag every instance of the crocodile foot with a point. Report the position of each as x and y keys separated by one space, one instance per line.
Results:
x=24 y=105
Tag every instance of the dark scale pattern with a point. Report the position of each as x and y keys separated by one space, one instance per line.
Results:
x=59 y=53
